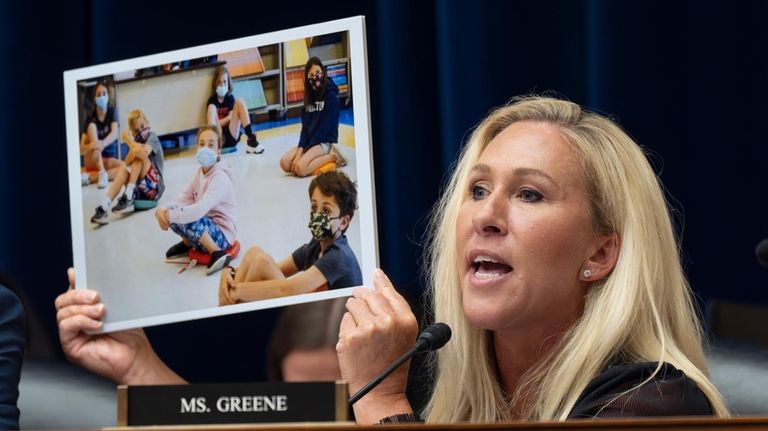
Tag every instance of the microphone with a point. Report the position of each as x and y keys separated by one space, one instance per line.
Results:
x=761 y=251
x=433 y=338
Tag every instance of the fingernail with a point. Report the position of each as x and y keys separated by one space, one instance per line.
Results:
x=378 y=276
x=92 y=296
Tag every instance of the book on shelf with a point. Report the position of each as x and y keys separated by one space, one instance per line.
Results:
x=294 y=86
x=296 y=53
x=243 y=62
x=252 y=93
x=338 y=73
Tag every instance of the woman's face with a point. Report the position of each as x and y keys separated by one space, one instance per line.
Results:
x=208 y=138
x=524 y=232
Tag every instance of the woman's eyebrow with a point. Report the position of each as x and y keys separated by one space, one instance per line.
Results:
x=533 y=172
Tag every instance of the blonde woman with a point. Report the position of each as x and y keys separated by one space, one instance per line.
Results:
x=555 y=262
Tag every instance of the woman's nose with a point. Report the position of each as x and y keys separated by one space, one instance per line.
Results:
x=491 y=216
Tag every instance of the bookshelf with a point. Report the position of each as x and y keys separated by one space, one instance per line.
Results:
x=256 y=77
x=332 y=49
x=270 y=78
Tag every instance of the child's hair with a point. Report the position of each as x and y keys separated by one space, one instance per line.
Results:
x=217 y=75
x=214 y=128
x=134 y=115
x=310 y=97
x=338 y=185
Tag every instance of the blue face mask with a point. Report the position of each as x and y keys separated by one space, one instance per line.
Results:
x=102 y=102
x=206 y=157
x=222 y=90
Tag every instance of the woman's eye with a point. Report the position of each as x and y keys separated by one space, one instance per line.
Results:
x=479 y=192
x=529 y=195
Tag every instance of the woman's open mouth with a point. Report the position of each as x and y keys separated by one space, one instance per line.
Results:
x=488 y=268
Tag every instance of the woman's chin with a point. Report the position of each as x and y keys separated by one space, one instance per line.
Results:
x=486 y=314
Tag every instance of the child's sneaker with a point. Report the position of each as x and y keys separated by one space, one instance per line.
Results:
x=123 y=205
x=85 y=179
x=100 y=217
x=341 y=161
x=253 y=146
x=219 y=259
x=178 y=250
x=103 y=179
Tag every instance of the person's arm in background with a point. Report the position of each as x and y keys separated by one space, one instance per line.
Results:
x=12 y=343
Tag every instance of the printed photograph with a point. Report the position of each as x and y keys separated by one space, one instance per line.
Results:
x=223 y=178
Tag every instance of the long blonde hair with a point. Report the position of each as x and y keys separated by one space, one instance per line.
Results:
x=642 y=311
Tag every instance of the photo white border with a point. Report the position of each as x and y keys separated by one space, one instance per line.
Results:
x=355 y=26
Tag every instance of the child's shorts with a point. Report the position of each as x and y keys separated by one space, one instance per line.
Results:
x=195 y=230
x=229 y=140
x=147 y=187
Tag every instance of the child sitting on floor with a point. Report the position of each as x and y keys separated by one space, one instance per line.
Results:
x=142 y=173
x=203 y=215
x=325 y=262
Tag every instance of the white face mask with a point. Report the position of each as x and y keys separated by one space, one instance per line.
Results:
x=206 y=157
x=222 y=90
x=102 y=101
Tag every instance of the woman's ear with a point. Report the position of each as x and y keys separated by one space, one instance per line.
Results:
x=603 y=260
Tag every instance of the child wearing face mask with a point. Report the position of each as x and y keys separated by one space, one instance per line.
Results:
x=203 y=215
x=142 y=174
x=230 y=113
x=319 y=124
x=98 y=145
x=325 y=262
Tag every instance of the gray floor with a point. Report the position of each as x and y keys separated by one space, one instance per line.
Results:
x=125 y=258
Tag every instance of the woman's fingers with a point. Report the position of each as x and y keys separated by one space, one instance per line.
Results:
x=383 y=285
x=377 y=303
x=73 y=327
x=71 y=277
x=76 y=297
x=360 y=312
x=95 y=311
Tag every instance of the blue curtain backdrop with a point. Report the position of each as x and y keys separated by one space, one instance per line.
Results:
x=688 y=80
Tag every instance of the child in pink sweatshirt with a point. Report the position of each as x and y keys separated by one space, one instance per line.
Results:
x=203 y=215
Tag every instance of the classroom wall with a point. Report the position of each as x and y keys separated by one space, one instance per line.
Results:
x=686 y=79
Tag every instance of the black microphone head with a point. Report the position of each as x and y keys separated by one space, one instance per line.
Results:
x=761 y=251
x=435 y=336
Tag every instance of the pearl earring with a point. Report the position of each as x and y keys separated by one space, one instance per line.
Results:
x=587 y=273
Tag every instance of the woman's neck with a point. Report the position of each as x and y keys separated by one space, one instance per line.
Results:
x=518 y=351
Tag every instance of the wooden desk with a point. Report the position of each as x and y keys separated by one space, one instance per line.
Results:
x=670 y=424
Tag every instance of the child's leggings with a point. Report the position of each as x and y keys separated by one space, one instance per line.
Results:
x=195 y=230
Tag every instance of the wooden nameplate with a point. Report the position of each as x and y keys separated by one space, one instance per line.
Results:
x=232 y=403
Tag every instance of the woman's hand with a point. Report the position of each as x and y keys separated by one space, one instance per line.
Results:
x=125 y=357
x=378 y=328
x=161 y=214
